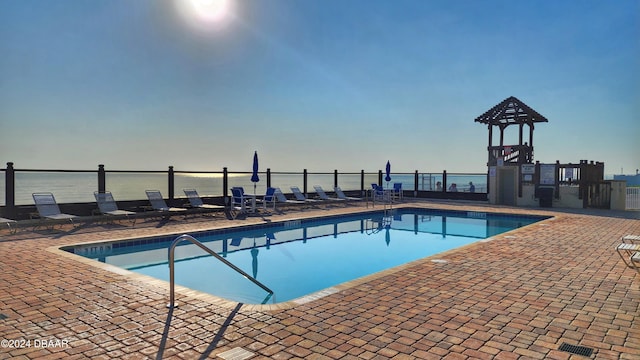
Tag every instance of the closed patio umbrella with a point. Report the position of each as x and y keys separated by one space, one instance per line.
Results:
x=254 y=176
x=387 y=178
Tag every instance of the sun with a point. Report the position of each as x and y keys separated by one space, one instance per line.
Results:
x=210 y=10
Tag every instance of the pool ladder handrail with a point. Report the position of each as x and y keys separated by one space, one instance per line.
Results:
x=194 y=241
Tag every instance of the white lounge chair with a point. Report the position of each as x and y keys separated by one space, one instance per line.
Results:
x=158 y=203
x=283 y=199
x=340 y=194
x=323 y=196
x=629 y=251
x=9 y=222
x=48 y=208
x=300 y=196
x=107 y=206
x=196 y=202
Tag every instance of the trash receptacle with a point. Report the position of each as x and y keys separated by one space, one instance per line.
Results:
x=545 y=195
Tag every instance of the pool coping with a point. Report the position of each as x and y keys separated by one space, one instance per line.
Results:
x=313 y=296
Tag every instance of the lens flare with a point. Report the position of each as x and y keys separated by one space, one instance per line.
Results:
x=210 y=10
x=206 y=15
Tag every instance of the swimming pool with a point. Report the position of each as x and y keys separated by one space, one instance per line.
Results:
x=303 y=257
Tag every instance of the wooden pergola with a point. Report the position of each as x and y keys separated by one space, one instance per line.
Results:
x=511 y=111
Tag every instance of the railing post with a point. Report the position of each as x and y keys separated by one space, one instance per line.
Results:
x=171 y=183
x=444 y=180
x=362 y=183
x=335 y=178
x=268 y=177
x=225 y=185
x=10 y=188
x=415 y=184
x=102 y=184
x=557 y=180
x=304 y=181
x=379 y=177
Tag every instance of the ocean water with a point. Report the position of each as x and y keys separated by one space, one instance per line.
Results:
x=79 y=187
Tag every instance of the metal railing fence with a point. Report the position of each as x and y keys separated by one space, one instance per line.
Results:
x=78 y=186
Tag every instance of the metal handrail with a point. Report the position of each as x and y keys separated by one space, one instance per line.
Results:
x=211 y=252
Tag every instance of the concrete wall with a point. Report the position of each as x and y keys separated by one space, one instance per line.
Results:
x=618 y=195
x=568 y=197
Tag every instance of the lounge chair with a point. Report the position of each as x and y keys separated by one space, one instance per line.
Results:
x=283 y=199
x=196 y=202
x=340 y=194
x=158 y=203
x=48 y=208
x=323 y=196
x=9 y=222
x=629 y=251
x=107 y=206
x=269 y=198
x=300 y=196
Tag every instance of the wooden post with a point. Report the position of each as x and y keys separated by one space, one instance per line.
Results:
x=335 y=178
x=102 y=187
x=415 y=184
x=489 y=147
x=362 y=183
x=520 y=134
x=531 y=135
x=379 y=177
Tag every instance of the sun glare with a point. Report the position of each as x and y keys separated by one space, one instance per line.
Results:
x=210 y=10
x=206 y=14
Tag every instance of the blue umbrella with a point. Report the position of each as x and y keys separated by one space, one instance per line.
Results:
x=254 y=176
x=388 y=170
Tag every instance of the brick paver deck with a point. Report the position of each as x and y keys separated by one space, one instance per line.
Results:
x=519 y=296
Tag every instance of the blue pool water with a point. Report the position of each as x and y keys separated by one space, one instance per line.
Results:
x=298 y=258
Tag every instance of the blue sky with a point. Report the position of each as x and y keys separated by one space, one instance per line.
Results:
x=314 y=84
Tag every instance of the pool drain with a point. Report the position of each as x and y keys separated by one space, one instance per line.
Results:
x=575 y=349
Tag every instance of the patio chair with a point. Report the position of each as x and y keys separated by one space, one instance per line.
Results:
x=300 y=196
x=323 y=196
x=158 y=203
x=283 y=199
x=107 y=206
x=629 y=251
x=9 y=222
x=196 y=202
x=397 y=191
x=238 y=202
x=269 y=198
x=48 y=208
x=340 y=194
x=380 y=195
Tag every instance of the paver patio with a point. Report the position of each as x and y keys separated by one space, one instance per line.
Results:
x=519 y=296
